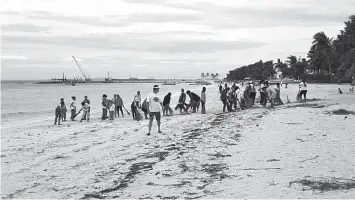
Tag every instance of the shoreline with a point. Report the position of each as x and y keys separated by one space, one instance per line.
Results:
x=252 y=153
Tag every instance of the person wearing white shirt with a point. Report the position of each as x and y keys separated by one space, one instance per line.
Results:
x=137 y=99
x=73 y=108
x=303 y=89
x=154 y=105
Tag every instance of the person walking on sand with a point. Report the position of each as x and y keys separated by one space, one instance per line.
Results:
x=104 y=107
x=278 y=100
x=155 y=106
x=86 y=100
x=303 y=89
x=182 y=99
x=119 y=105
x=203 y=100
x=73 y=108
x=58 y=113
x=64 y=110
x=86 y=111
x=166 y=105
x=137 y=99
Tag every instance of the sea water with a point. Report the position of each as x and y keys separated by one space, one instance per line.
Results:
x=28 y=102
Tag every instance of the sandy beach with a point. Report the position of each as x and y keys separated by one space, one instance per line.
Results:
x=253 y=153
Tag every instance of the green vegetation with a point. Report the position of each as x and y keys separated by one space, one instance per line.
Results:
x=328 y=60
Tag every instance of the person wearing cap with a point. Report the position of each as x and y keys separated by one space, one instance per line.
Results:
x=154 y=105
x=104 y=108
x=64 y=110
x=73 y=108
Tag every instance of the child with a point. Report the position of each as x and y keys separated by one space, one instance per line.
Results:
x=58 y=113
x=104 y=108
x=86 y=111
x=144 y=108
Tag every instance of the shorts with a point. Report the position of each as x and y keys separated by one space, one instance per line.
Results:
x=156 y=114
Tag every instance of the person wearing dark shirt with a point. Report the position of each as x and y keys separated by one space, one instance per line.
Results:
x=194 y=100
x=223 y=97
x=166 y=105
x=182 y=100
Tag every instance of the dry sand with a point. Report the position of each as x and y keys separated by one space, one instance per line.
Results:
x=253 y=153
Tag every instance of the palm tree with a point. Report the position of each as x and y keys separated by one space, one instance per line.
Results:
x=207 y=75
x=212 y=75
x=202 y=75
x=322 y=51
x=345 y=48
x=216 y=75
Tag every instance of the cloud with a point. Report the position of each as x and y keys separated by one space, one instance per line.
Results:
x=159 y=44
x=24 y=27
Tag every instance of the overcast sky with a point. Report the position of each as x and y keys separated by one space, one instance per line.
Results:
x=158 y=38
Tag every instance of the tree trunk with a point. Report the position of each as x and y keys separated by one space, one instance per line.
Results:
x=330 y=70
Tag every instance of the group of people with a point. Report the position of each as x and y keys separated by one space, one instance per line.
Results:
x=234 y=95
x=61 y=110
x=151 y=106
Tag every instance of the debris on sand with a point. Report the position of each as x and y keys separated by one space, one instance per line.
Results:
x=325 y=183
x=341 y=112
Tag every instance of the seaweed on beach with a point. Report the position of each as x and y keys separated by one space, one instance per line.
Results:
x=342 y=112
x=219 y=155
x=160 y=154
x=325 y=183
x=216 y=171
x=135 y=169
x=307 y=105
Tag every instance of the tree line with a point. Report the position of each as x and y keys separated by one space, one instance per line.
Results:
x=327 y=60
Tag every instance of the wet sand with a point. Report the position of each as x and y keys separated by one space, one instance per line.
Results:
x=254 y=153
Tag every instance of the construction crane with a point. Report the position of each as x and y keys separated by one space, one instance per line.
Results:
x=82 y=70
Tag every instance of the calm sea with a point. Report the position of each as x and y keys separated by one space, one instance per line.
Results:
x=27 y=102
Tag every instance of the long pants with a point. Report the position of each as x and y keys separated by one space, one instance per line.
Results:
x=203 y=107
x=166 y=109
x=64 y=116
x=73 y=112
x=133 y=108
x=104 y=114
x=224 y=101
x=118 y=109
x=58 y=116
x=263 y=98
x=252 y=97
